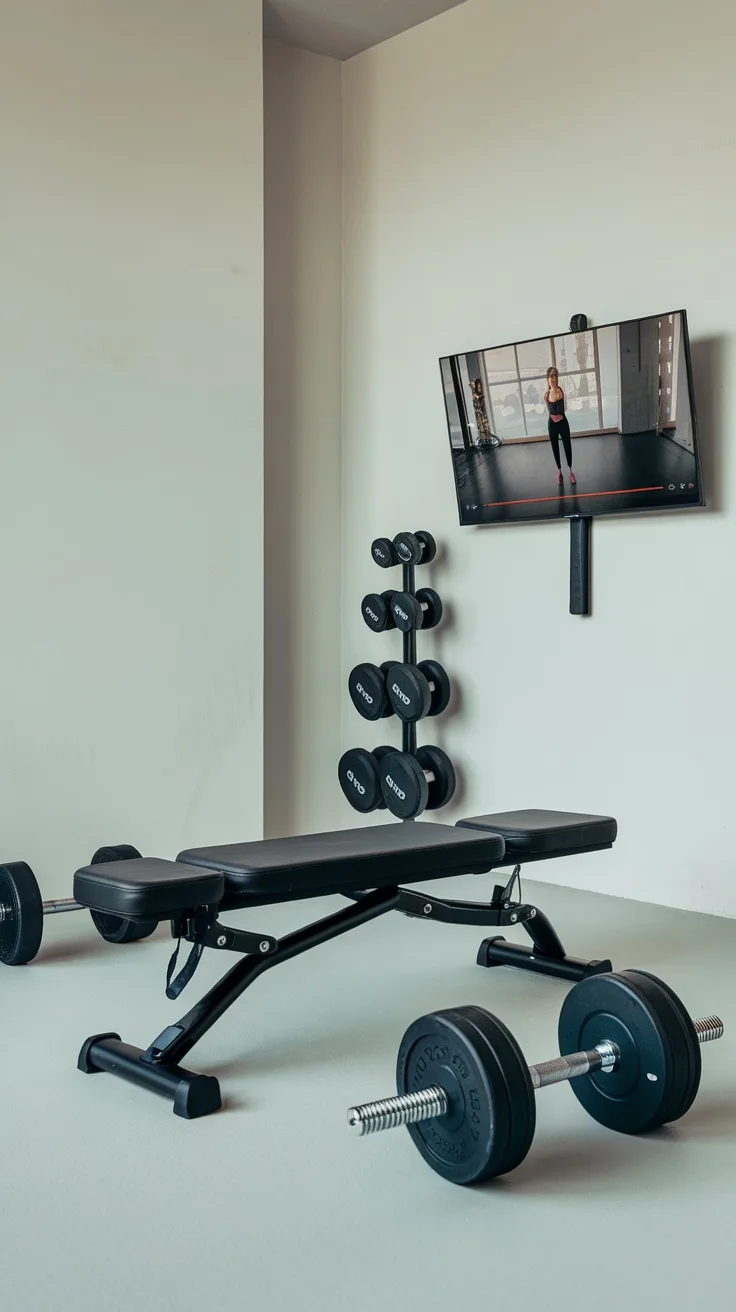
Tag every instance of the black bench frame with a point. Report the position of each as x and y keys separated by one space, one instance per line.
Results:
x=193 y=1095
x=546 y=956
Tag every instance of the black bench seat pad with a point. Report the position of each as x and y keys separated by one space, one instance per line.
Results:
x=286 y=869
x=146 y=889
x=535 y=835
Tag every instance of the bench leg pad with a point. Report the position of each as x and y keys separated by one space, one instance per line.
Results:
x=192 y=1095
x=498 y=952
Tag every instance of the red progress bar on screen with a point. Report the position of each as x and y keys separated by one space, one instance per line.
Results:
x=573 y=496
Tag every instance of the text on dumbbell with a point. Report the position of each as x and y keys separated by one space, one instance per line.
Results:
x=395 y=788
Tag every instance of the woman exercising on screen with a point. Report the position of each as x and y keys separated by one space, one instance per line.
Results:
x=557 y=425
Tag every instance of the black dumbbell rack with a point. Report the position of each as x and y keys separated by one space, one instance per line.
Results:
x=357 y=785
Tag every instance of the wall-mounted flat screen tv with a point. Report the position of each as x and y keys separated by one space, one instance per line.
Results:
x=600 y=422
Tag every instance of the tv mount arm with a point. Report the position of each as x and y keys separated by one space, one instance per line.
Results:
x=580 y=532
x=580 y=554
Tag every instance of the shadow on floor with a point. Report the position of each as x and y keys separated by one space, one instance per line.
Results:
x=93 y=946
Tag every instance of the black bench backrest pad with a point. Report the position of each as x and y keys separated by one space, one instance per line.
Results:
x=284 y=869
x=146 y=889
x=535 y=835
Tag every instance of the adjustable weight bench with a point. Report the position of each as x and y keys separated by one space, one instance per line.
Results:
x=366 y=866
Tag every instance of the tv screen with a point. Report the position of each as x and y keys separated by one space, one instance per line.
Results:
x=600 y=422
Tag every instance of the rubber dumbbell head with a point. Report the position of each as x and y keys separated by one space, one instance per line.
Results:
x=113 y=928
x=368 y=693
x=360 y=780
x=466 y=1094
x=415 y=548
x=414 y=784
x=657 y=1073
x=22 y=910
x=416 y=691
x=21 y=914
x=422 y=610
x=384 y=553
x=377 y=613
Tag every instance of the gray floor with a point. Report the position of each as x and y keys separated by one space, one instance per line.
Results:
x=109 y=1201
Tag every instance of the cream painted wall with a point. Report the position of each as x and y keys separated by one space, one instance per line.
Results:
x=303 y=201
x=503 y=169
x=131 y=393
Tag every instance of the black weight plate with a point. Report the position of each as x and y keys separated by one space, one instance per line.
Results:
x=442 y=788
x=21 y=918
x=380 y=752
x=367 y=688
x=114 y=929
x=122 y=852
x=437 y=674
x=386 y=668
x=433 y=614
x=384 y=553
x=375 y=612
x=429 y=546
x=515 y=1069
x=409 y=549
x=404 y=787
x=358 y=775
x=406 y=612
x=667 y=1010
x=663 y=1016
x=378 y=755
x=636 y=1095
x=471 y=1059
x=387 y=598
x=689 y=1070
x=409 y=693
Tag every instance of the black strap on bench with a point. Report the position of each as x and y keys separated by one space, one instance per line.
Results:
x=202 y=929
x=176 y=986
x=194 y=927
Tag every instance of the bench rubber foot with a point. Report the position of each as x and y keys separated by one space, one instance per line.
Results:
x=192 y=1095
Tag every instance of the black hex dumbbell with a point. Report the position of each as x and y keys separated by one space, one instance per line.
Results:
x=420 y=611
x=368 y=691
x=416 y=691
x=414 y=784
x=415 y=548
x=360 y=780
x=383 y=552
x=377 y=613
x=406 y=549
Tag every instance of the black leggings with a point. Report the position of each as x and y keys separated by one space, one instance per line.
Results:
x=557 y=431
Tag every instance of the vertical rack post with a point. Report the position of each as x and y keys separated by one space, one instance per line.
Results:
x=580 y=550
x=409 y=731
